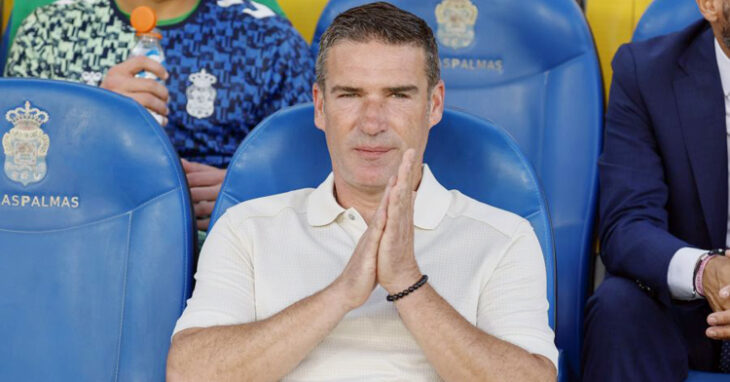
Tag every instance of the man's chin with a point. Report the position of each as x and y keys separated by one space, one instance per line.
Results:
x=372 y=180
x=372 y=184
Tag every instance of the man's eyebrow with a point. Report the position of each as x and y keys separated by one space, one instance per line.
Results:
x=345 y=89
x=403 y=89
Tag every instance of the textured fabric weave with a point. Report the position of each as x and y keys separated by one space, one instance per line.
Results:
x=231 y=63
x=725 y=357
x=21 y=9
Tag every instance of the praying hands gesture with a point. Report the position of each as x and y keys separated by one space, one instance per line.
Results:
x=397 y=267
x=385 y=255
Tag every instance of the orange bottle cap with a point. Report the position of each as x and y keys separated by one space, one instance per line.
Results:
x=143 y=19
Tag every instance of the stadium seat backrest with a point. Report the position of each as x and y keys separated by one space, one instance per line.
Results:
x=5 y=6
x=303 y=15
x=96 y=232
x=287 y=152
x=612 y=23
x=666 y=16
x=531 y=67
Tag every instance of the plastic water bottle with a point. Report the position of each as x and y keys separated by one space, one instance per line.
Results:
x=144 y=21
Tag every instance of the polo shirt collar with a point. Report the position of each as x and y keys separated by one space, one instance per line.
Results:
x=322 y=207
x=432 y=202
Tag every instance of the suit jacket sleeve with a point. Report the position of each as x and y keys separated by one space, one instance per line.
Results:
x=633 y=225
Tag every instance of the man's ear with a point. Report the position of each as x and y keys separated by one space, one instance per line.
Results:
x=318 y=97
x=437 y=104
x=710 y=9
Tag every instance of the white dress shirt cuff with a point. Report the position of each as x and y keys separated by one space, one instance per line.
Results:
x=680 y=276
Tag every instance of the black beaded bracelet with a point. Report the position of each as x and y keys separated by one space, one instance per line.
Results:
x=406 y=292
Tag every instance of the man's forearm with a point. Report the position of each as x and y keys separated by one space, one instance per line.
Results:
x=265 y=350
x=461 y=352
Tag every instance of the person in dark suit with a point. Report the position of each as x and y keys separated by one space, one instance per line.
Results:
x=664 y=307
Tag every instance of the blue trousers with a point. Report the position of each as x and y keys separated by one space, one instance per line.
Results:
x=631 y=336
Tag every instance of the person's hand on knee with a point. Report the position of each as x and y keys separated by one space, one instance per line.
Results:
x=205 y=183
x=719 y=325
x=716 y=285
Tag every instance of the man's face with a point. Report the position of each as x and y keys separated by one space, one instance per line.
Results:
x=376 y=104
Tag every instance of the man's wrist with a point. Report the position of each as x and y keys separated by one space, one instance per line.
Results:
x=337 y=294
x=402 y=281
x=700 y=268
x=710 y=274
x=405 y=292
x=699 y=272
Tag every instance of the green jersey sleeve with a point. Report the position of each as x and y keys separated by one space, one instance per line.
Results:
x=28 y=56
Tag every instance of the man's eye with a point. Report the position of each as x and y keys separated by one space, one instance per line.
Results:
x=399 y=95
x=347 y=95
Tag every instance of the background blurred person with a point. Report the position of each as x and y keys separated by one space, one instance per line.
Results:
x=22 y=8
x=229 y=64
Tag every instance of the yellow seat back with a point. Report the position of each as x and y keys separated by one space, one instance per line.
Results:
x=612 y=23
x=6 y=6
x=303 y=15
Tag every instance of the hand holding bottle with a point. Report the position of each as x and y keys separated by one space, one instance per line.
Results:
x=142 y=76
x=150 y=93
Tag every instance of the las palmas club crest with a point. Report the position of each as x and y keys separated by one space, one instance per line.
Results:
x=26 y=145
x=201 y=95
x=456 y=19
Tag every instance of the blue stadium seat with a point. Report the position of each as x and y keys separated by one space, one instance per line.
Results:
x=287 y=152
x=531 y=67
x=700 y=376
x=96 y=231
x=666 y=16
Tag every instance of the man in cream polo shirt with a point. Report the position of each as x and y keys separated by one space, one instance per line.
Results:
x=329 y=284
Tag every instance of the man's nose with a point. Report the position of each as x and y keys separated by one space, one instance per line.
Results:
x=373 y=120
